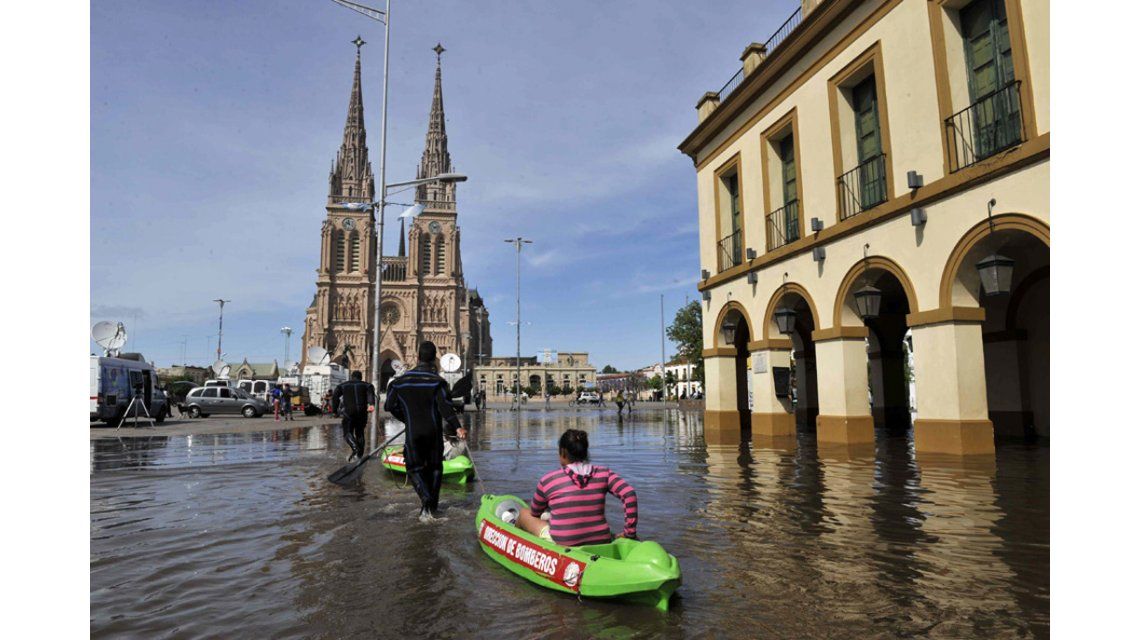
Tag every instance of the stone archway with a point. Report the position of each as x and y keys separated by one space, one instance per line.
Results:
x=1015 y=328
x=804 y=386
x=888 y=366
x=728 y=418
x=387 y=369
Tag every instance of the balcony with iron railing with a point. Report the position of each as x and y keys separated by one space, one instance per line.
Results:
x=769 y=46
x=395 y=269
x=988 y=126
x=784 y=225
x=863 y=187
x=729 y=250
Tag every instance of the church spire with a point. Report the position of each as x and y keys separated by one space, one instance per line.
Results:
x=402 y=252
x=436 y=159
x=351 y=176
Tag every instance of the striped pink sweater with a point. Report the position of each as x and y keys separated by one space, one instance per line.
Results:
x=578 y=505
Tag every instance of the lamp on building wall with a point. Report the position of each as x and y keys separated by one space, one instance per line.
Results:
x=728 y=330
x=868 y=300
x=995 y=270
x=785 y=316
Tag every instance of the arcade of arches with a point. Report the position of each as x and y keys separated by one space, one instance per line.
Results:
x=973 y=369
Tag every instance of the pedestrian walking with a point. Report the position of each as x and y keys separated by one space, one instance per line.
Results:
x=353 y=400
x=287 y=402
x=419 y=399
x=276 y=393
x=620 y=402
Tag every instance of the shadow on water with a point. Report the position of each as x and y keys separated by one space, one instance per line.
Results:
x=217 y=535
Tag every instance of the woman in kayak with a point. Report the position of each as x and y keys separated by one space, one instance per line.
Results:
x=576 y=497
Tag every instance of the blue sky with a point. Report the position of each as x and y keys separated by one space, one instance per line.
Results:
x=213 y=125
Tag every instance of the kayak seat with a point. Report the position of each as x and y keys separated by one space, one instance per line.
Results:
x=503 y=511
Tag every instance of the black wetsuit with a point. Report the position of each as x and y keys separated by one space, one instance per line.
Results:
x=419 y=400
x=351 y=400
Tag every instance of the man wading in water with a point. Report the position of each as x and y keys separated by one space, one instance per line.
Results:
x=354 y=400
x=419 y=400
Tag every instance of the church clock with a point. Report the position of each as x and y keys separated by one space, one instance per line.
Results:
x=348 y=223
x=434 y=227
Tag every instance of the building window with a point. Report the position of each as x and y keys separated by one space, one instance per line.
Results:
x=440 y=260
x=730 y=217
x=354 y=252
x=860 y=145
x=992 y=122
x=338 y=251
x=425 y=254
x=781 y=174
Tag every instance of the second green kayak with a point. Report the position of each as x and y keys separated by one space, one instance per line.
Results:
x=458 y=469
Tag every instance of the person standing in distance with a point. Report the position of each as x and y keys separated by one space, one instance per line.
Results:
x=419 y=400
x=353 y=400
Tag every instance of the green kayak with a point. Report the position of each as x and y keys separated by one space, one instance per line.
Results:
x=458 y=469
x=624 y=569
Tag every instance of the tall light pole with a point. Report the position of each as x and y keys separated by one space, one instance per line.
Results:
x=288 y=331
x=518 y=242
x=221 y=308
x=664 y=387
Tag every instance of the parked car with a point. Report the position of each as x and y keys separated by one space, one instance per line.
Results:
x=589 y=397
x=204 y=401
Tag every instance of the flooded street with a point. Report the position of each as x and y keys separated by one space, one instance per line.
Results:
x=241 y=535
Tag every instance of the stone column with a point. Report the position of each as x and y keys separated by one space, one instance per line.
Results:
x=950 y=389
x=772 y=415
x=722 y=419
x=841 y=369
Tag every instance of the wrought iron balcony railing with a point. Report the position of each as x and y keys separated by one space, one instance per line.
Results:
x=863 y=187
x=729 y=251
x=769 y=46
x=784 y=225
x=991 y=125
x=395 y=269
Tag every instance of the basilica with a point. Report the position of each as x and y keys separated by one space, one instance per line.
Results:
x=424 y=293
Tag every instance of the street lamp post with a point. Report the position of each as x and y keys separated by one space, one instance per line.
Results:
x=288 y=331
x=518 y=242
x=221 y=308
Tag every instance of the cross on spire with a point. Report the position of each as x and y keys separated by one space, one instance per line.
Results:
x=438 y=49
x=359 y=42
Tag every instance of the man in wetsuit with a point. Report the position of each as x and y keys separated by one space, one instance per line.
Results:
x=419 y=400
x=354 y=400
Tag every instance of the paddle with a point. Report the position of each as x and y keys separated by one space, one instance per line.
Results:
x=352 y=471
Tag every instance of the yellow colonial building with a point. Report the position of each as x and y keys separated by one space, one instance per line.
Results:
x=873 y=190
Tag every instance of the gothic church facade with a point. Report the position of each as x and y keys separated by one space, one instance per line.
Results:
x=425 y=296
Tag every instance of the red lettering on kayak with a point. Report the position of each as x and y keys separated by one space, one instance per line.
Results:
x=559 y=569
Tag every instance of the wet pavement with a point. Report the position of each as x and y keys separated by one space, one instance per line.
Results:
x=225 y=535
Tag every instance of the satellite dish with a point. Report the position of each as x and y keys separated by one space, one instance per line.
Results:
x=221 y=369
x=399 y=367
x=450 y=362
x=109 y=335
x=317 y=355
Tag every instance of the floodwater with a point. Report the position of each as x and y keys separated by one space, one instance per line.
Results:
x=242 y=536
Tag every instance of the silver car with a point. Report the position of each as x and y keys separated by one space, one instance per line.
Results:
x=203 y=401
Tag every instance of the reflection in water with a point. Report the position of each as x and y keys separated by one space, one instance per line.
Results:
x=241 y=534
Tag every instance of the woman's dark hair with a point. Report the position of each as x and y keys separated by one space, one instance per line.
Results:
x=576 y=445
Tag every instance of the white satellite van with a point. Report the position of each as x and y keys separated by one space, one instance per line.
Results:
x=116 y=380
x=322 y=378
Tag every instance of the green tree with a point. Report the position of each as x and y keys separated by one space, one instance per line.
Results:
x=609 y=368
x=670 y=381
x=687 y=334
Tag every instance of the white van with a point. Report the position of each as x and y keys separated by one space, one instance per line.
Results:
x=115 y=381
